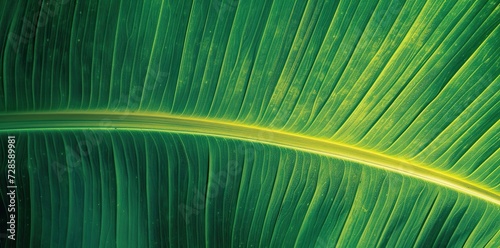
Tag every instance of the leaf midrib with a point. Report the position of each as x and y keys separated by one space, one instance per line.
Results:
x=179 y=124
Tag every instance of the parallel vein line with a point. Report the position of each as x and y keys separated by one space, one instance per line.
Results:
x=165 y=122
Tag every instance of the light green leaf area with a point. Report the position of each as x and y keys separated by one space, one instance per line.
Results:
x=225 y=123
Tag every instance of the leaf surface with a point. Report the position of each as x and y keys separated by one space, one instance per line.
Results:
x=253 y=123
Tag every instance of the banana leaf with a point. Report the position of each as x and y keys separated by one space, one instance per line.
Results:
x=257 y=123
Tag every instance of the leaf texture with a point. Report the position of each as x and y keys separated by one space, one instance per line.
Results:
x=416 y=82
x=140 y=188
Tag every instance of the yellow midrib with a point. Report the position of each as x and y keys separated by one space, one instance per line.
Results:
x=164 y=122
